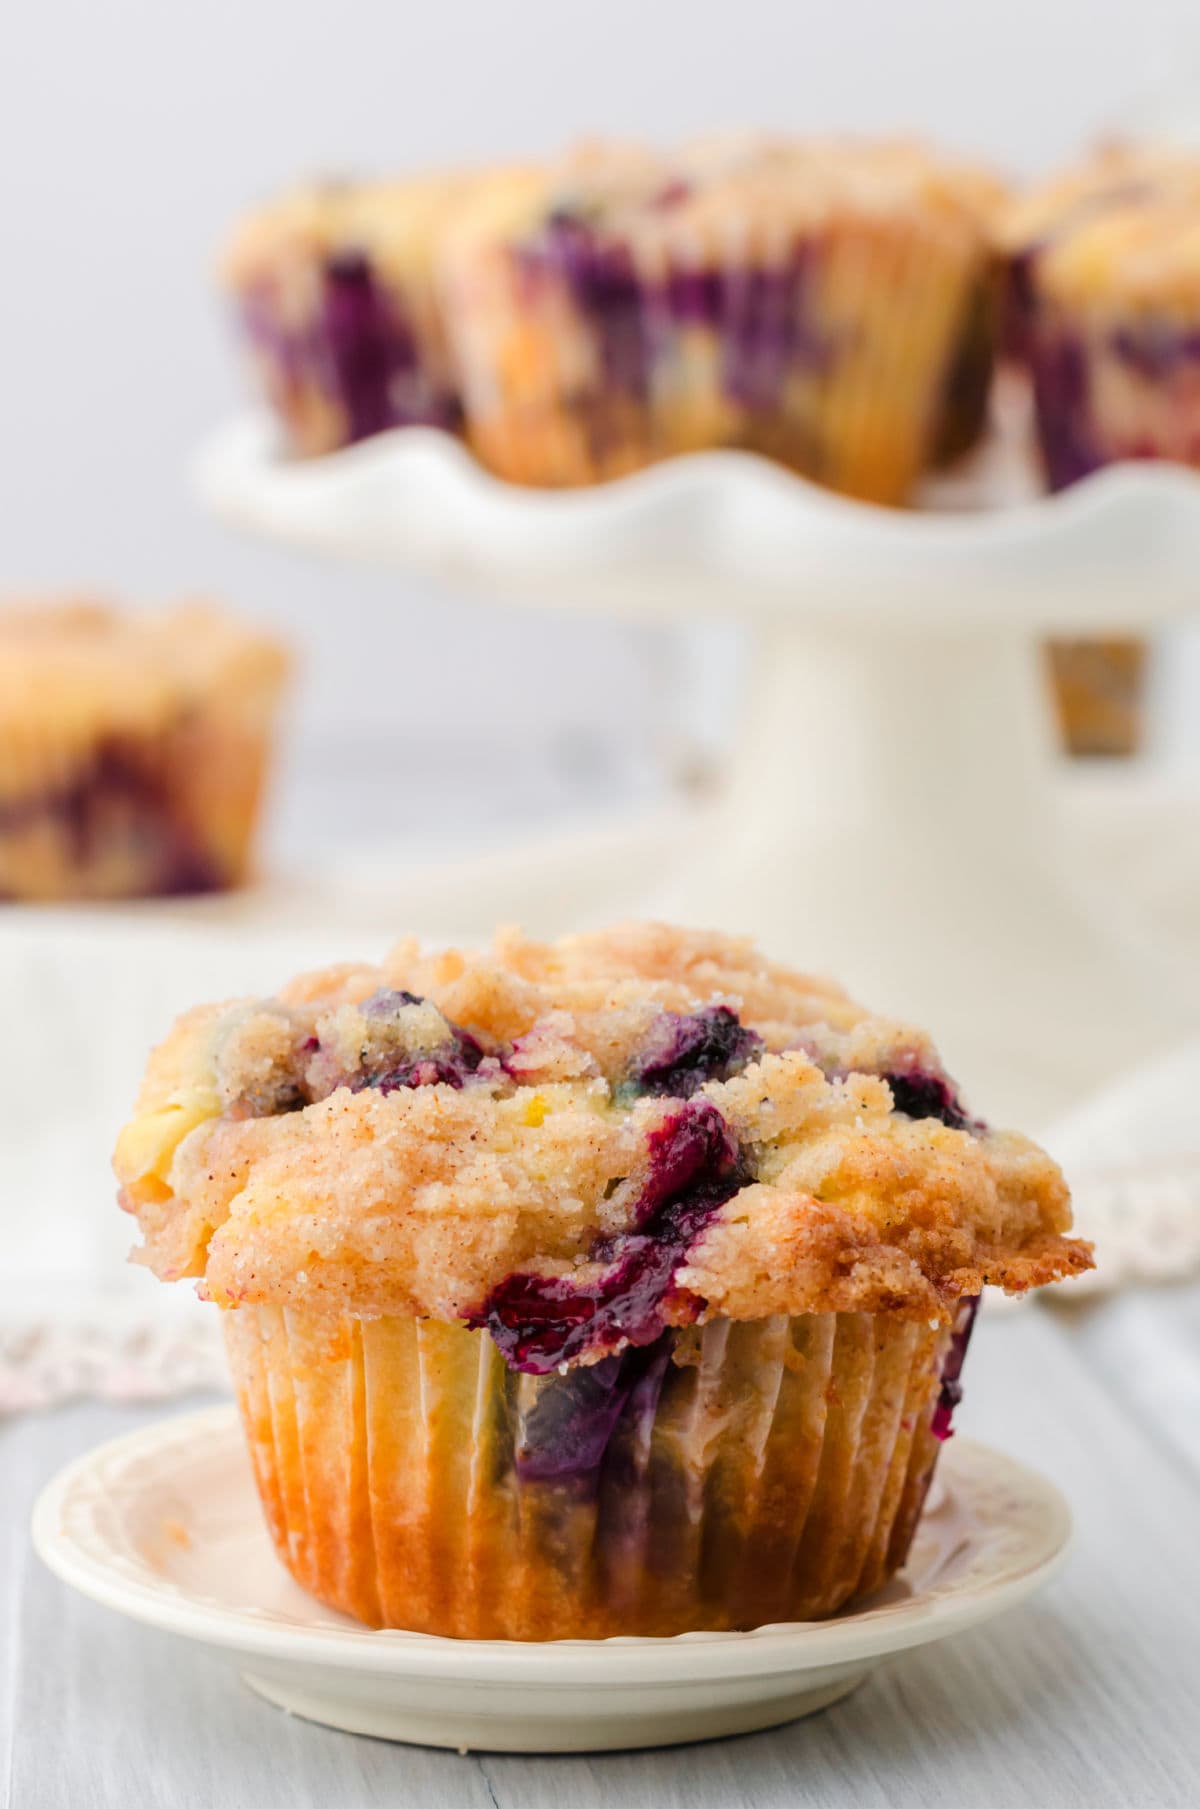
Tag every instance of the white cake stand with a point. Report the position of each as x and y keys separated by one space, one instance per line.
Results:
x=888 y=812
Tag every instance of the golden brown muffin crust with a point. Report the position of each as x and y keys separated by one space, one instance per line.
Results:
x=90 y=668
x=403 y=1139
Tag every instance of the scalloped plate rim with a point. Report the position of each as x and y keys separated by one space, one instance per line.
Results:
x=776 y=1649
x=1120 y=484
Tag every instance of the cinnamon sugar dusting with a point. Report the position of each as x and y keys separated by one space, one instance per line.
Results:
x=409 y=1138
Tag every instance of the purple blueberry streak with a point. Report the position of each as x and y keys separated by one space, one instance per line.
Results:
x=367 y=345
x=950 y=1392
x=920 y=1094
x=762 y=316
x=1063 y=410
x=539 y=1321
x=357 y=349
x=605 y=287
x=566 y=1434
x=120 y=801
x=684 y=1051
x=1156 y=349
x=452 y=1065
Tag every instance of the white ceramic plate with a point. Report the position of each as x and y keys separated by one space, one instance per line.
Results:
x=164 y=1525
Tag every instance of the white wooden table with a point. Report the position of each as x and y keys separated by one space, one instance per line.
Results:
x=1090 y=1696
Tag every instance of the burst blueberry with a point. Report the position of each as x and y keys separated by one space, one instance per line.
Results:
x=1156 y=350
x=919 y=1094
x=566 y=1435
x=541 y=1321
x=367 y=344
x=683 y=1051
x=450 y=1065
x=605 y=287
x=950 y=1388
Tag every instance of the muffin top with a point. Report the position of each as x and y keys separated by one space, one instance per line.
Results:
x=599 y=185
x=575 y=1144
x=397 y=220
x=740 y=194
x=1122 y=227
x=1117 y=177
x=90 y=669
x=1143 y=254
x=841 y=177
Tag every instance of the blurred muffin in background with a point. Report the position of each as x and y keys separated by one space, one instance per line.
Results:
x=546 y=317
x=1104 y=285
x=1105 y=279
x=133 y=749
x=879 y=174
x=825 y=303
x=1099 y=690
x=334 y=289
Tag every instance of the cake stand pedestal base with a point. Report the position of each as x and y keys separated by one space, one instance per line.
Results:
x=888 y=818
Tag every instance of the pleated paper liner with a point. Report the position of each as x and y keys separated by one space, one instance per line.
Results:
x=334 y=290
x=727 y=1476
x=1114 y=383
x=827 y=347
x=88 y=810
x=540 y=407
x=896 y=296
x=220 y=763
x=279 y=321
x=342 y=351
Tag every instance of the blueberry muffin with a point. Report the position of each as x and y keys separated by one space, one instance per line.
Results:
x=619 y=1285
x=333 y=287
x=133 y=749
x=1104 y=290
x=545 y=317
x=826 y=304
x=1099 y=690
x=1106 y=283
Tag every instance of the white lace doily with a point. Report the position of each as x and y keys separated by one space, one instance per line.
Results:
x=117 y=1349
x=1132 y=1157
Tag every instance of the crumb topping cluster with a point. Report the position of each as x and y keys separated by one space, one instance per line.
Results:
x=398 y=218
x=740 y=195
x=89 y=668
x=1125 y=223
x=575 y=1144
x=632 y=186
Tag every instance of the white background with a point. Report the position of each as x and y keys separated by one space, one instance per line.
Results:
x=131 y=134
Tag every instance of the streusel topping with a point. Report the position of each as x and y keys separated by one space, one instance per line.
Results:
x=815 y=178
x=716 y=191
x=1116 y=177
x=89 y=668
x=399 y=220
x=1143 y=253
x=576 y=1143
